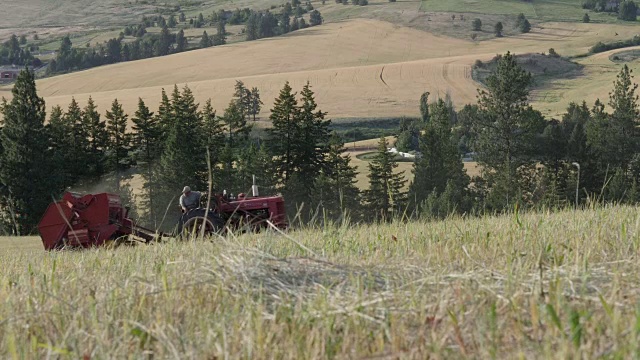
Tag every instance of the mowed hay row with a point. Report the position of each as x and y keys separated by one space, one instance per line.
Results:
x=529 y=285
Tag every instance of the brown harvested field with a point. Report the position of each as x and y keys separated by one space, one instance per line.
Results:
x=358 y=68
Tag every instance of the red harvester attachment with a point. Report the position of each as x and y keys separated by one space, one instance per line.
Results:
x=86 y=221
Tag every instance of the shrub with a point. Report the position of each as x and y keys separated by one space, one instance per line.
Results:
x=477 y=24
x=586 y=18
x=523 y=24
x=498 y=29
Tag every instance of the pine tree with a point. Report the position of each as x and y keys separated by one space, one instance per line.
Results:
x=255 y=103
x=183 y=160
x=235 y=123
x=146 y=136
x=213 y=137
x=181 y=41
x=477 y=24
x=118 y=142
x=555 y=176
x=172 y=21
x=498 y=29
x=424 y=106
x=627 y=11
x=440 y=163
x=313 y=139
x=205 y=41
x=213 y=128
x=59 y=134
x=336 y=190
x=77 y=144
x=252 y=29
x=26 y=162
x=523 y=24
x=612 y=139
x=254 y=160
x=505 y=128
x=165 y=116
x=228 y=175
x=221 y=34
x=285 y=23
x=97 y=141
x=295 y=25
x=242 y=98
x=624 y=102
x=385 y=197
x=283 y=135
x=315 y=18
x=163 y=45
x=307 y=151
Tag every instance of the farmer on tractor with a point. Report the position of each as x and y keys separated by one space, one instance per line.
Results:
x=189 y=200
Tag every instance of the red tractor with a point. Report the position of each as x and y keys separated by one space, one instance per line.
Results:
x=239 y=212
x=84 y=221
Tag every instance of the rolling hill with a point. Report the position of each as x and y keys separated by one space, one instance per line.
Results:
x=358 y=68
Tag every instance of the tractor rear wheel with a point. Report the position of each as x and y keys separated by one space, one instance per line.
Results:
x=193 y=222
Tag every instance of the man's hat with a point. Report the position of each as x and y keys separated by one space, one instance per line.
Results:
x=186 y=189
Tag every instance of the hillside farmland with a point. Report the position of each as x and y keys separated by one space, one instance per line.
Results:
x=351 y=73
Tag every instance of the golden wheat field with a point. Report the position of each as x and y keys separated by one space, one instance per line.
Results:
x=358 y=68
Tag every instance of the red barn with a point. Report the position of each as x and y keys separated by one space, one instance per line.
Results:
x=9 y=73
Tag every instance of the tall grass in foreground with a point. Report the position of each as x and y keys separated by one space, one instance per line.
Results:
x=541 y=285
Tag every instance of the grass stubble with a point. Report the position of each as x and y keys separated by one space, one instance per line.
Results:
x=535 y=285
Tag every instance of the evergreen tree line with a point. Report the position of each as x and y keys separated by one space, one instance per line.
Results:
x=264 y=24
x=78 y=149
x=526 y=161
x=12 y=53
x=116 y=50
x=626 y=9
x=258 y=25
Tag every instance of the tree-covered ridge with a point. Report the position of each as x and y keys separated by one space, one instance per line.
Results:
x=135 y=42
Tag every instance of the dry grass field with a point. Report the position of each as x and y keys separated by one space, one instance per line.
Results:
x=358 y=68
x=543 y=285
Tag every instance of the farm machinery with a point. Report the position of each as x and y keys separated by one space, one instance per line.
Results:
x=83 y=221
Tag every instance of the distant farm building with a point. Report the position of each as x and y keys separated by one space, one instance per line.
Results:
x=9 y=73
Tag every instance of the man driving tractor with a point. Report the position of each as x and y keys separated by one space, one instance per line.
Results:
x=189 y=199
